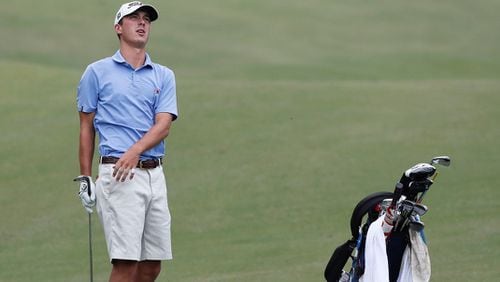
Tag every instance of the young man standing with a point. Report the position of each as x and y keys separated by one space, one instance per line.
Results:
x=130 y=102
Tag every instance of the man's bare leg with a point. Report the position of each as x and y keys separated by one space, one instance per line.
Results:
x=148 y=271
x=124 y=271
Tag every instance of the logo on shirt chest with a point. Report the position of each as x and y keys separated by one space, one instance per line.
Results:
x=157 y=90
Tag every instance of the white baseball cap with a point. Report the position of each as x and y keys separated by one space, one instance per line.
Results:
x=129 y=8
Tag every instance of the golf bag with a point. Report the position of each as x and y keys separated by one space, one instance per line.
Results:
x=387 y=238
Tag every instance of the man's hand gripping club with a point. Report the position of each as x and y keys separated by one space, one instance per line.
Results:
x=86 y=193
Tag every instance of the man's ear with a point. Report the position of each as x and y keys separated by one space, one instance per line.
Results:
x=118 y=29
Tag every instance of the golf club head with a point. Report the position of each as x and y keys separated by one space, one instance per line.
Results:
x=417 y=188
x=405 y=208
x=420 y=171
x=441 y=160
x=419 y=209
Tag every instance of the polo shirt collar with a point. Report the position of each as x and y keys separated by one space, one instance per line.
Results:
x=117 y=57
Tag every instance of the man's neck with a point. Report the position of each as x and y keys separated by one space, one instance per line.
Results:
x=136 y=57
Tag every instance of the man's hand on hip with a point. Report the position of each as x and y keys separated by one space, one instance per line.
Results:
x=87 y=192
x=125 y=166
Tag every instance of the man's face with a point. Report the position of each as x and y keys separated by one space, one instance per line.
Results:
x=134 y=29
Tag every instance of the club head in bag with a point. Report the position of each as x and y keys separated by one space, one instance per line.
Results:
x=405 y=209
x=419 y=209
x=441 y=160
x=418 y=187
x=420 y=171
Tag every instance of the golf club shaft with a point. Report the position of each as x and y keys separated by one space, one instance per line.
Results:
x=90 y=250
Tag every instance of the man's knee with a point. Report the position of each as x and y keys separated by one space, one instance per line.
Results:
x=123 y=270
x=148 y=270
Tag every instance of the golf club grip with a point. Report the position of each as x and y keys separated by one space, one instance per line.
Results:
x=398 y=190
x=89 y=192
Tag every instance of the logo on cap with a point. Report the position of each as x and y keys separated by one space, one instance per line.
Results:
x=135 y=3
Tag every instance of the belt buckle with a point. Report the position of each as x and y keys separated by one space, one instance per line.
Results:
x=141 y=164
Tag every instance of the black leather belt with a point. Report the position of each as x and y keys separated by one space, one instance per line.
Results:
x=147 y=164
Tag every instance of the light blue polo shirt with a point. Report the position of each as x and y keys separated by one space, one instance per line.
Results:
x=125 y=101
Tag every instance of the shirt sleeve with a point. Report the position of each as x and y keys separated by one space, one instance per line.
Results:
x=87 y=92
x=167 y=100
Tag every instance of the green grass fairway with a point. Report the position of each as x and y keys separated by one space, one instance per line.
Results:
x=290 y=113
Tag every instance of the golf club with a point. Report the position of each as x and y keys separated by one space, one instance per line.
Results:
x=90 y=250
x=441 y=160
x=405 y=209
x=391 y=214
x=420 y=171
x=419 y=209
x=90 y=239
x=417 y=189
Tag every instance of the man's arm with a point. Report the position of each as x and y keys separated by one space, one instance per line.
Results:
x=155 y=135
x=87 y=143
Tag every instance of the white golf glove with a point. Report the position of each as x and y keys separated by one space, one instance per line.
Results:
x=86 y=193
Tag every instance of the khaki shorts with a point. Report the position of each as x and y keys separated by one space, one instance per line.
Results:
x=134 y=214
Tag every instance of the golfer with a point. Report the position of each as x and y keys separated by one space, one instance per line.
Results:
x=130 y=103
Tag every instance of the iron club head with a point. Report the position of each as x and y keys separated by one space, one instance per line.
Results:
x=419 y=209
x=441 y=160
